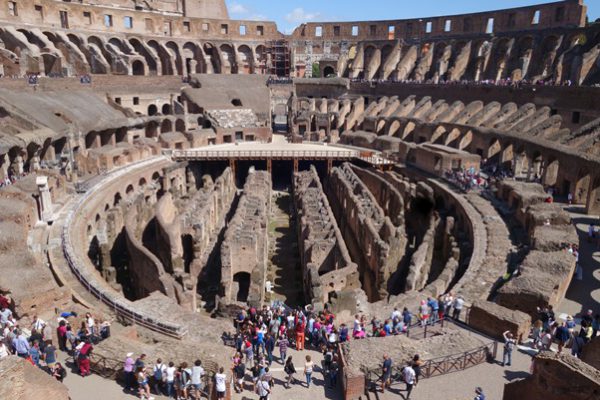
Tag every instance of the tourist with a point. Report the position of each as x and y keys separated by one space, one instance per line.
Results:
x=433 y=305
x=263 y=389
x=3 y=350
x=269 y=347
x=84 y=358
x=158 y=375
x=458 y=306
x=170 y=372
x=577 y=345
x=184 y=380
x=142 y=381
x=140 y=361
x=479 y=394
x=386 y=370
x=21 y=344
x=509 y=345
x=546 y=339
x=90 y=324
x=595 y=326
x=447 y=302
x=343 y=333
x=239 y=370
x=536 y=334
x=37 y=324
x=61 y=332
x=561 y=335
x=128 y=370
x=35 y=353
x=308 y=370
x=196 y=379
x=58 y=372
x=220 y=380
x=424 y=312
x=50 y=356
x=417 y=363
x=333 y=372
x=406 y=317
x=408 y=374
x=591 y=232
x=290 y=370
x=283 y=346
x=300 y=326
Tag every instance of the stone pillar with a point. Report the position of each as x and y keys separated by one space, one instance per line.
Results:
x=45 y=199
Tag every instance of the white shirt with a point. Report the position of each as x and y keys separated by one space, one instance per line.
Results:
x=220 y=382
x=90 y=322
x=396 y=314
x=458 y=303
x=409 y=375
x=170 y=374
x=38 y=325
x=197 y=373
x=3 y=351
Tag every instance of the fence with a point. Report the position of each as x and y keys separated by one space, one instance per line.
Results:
x=87 y=278
x=264 y=154
x=438 y=366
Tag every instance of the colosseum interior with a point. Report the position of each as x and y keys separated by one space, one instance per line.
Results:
x=164 y=167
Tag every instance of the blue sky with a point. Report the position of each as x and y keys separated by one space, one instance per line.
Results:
x=290 y=13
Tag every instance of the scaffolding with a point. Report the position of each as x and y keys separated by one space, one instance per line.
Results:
x=278 y=58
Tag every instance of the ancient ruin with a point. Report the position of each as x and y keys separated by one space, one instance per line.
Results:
x=165 y=167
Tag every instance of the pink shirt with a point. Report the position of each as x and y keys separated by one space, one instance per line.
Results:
x=129 y=363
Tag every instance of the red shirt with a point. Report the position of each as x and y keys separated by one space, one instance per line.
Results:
x=62 y=330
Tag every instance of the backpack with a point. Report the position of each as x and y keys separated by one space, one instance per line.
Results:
x=328 y=357
x=63 y=373
x=158 y=372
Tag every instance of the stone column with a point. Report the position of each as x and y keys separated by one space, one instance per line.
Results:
x=45 y=199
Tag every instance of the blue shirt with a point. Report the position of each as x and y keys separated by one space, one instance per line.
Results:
x=21 y=344
x=433 y=304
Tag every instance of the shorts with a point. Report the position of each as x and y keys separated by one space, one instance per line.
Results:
x=387 y=376
x=220 y=395
x=197 y=386
x=240 y=381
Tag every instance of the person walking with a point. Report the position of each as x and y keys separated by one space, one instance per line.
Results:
x=290 y=370
x=170 y=373
x=577 y=345
x=458 y=306
x=509 y=345
x=386 y=370
x=263 y=389
x=408 y=373
x=479 y=394
x=220 y=380
x=333 y=372
x=416 y=365
x=240 y=372
x=128 y=371
x=283 y=346
x=143 y=386
x=308 y=370
x=196 y=379
x=562 y=335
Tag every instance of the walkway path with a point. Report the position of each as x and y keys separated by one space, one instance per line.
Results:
x=284 y=260
x=583 y=294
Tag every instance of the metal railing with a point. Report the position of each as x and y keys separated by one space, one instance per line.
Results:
x=77 y=266
x=263 y=154
x=437 y=366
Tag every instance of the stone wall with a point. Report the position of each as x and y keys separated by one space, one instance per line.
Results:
x=556 y=377
x=372 y=239
x=244 y=249
x=326 y=263
x=494 y=320
x=591 y=353
x=23 y=381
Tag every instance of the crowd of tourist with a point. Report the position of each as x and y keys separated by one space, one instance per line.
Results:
x=35 y=342
x=484 y=82
x=9 y=180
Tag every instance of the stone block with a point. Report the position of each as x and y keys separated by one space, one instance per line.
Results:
x=493 y=319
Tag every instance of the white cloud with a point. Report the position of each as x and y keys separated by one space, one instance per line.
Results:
x=237 y=8
x=298 y=15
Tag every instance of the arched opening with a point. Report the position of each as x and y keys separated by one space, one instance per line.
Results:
x=582 y=186
x=166 y=109
x=229 y=65
x=94 y=253
x=152 y=129
x=329 y=72
x=152 y=110
x=117 y=199
x=243 y=285
x=236 y=103
x=550 y=175
x=246 y=61
x=187 y=242
x=166 y=126
x=138 y=68
x=180 y=126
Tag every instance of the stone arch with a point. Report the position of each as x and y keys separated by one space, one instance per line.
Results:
x=152 y=110
x=117 y=199
x=452 y=136
x=228 y=59
x=466 y=140
x=138 y=68
x=582 y=186
x=180 y=126
x=438 y=135
x=129 y=191
x=176 y=54
x=52 y=64
x=165 y=60
x=143 y=51
x=166 y=109
x=328 y=71
x=213 y=62
x=194 y=58
x=166 y=126
x=551 y=168
x=394 y=127
x=493 y=151
x=246 y=64
x=152 y=129
x=142 y=183
x=260 y=54
x=500 y=54
x=120 y=44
